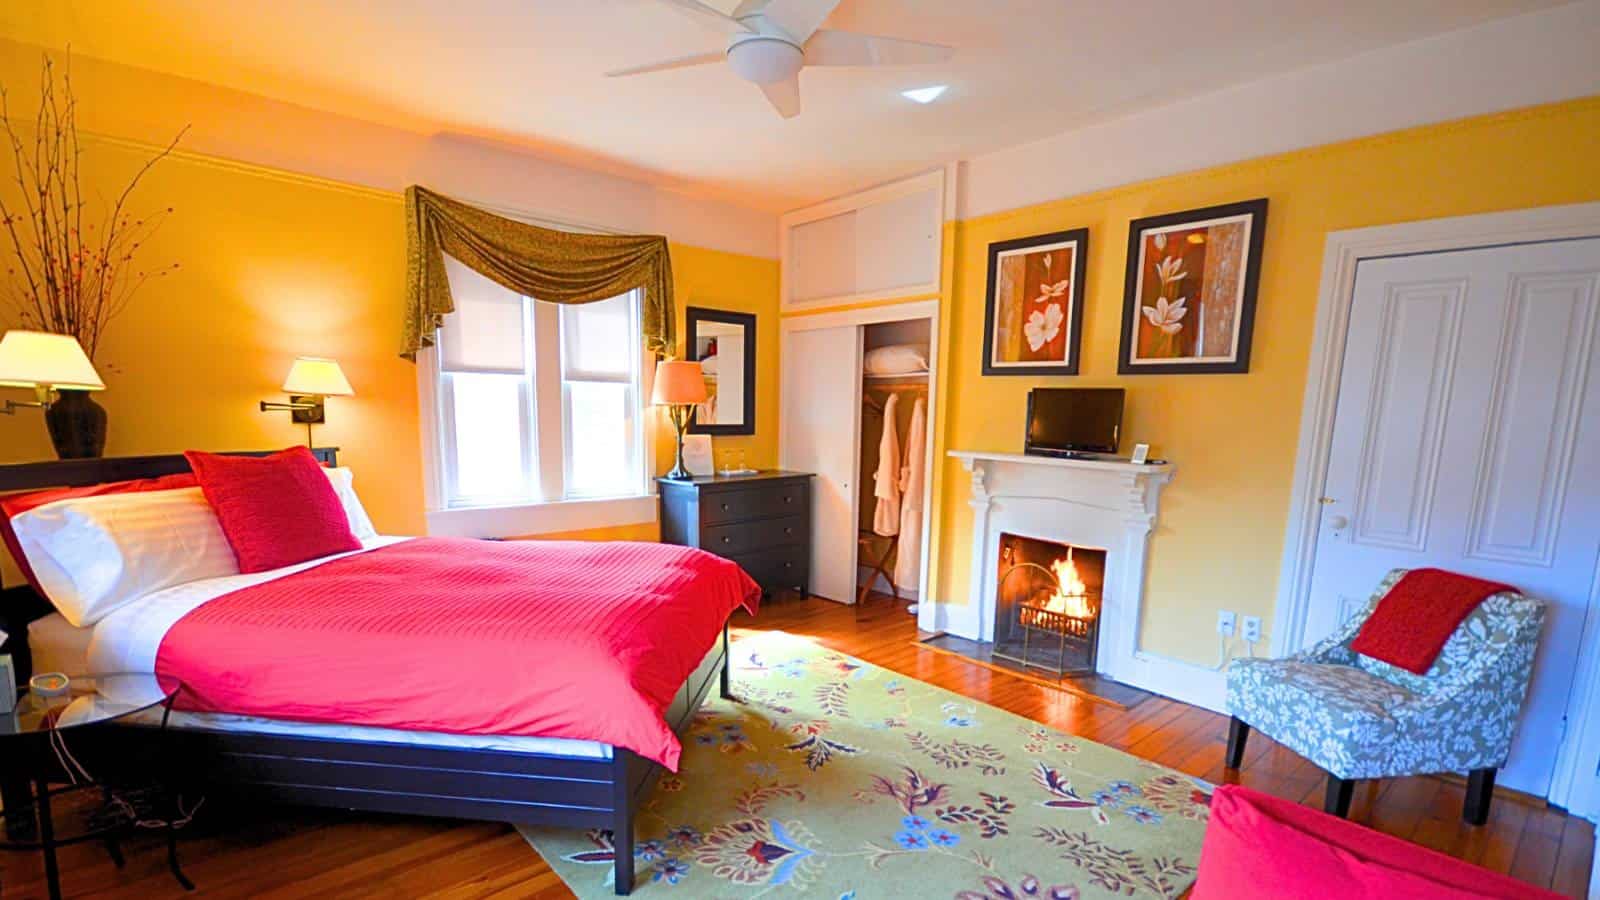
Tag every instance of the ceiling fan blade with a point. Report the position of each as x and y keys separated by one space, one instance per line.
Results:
x=682 y=62
x=847 y=48
x=747 y=7
x=798 y=18
x=784 y=96
x=711 y=16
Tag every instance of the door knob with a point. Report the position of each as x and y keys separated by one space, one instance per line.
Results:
x=1338 y=523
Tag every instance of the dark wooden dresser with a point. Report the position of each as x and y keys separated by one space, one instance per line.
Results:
x=762 y=522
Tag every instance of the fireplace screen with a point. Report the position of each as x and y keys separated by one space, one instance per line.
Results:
x=1047 y=612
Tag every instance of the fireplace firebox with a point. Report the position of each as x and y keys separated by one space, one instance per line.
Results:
x=1047 y=604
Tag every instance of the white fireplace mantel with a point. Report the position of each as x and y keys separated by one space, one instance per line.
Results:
x=1112 y=505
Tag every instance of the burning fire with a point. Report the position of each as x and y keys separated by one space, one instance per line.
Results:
x=1071 y=597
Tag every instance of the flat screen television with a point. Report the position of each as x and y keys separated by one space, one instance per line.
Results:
x=1073 y=421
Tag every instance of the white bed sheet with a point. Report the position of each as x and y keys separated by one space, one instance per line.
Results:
x=127 y=641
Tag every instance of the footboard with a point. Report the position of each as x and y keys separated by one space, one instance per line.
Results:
x=447 y=782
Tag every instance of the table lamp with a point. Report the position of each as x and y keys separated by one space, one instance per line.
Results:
x=680 y=386
x=310 y=382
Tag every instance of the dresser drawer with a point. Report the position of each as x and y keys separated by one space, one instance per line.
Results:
x=779 y=567
x=759 y=534
x=753 y=503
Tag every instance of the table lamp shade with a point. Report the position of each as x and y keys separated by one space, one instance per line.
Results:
x=678 y=382
x=36 y=359
x=317 y=377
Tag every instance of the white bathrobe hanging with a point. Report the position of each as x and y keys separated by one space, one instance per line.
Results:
x=908 y=559
x=886 y=487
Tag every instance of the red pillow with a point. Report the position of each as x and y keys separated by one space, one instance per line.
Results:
x=1259 y=847
x=13 y=505
x=275 y=510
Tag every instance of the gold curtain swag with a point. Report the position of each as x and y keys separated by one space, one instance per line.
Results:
x=556 y=266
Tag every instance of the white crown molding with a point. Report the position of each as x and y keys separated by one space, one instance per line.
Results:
x=247 y=132
x=1526 y=60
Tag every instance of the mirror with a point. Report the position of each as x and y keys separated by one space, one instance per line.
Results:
x=724 y=343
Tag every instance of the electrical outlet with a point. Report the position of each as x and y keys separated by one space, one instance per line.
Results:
x=1252 y=628
x=1225 y=623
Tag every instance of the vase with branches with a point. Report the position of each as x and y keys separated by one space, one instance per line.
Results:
x=74 y=265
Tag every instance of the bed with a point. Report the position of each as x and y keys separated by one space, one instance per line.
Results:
x=462 y=769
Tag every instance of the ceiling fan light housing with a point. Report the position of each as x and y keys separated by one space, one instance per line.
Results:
x=764 y=59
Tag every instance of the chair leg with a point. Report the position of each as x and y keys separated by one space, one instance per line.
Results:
x=1336 y=802
x=1238 y=733
x=1480 y=790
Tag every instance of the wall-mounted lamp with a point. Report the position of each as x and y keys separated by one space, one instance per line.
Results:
x=46 y=363
x=311 y=380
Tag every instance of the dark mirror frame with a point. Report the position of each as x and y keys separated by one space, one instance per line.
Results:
x=693 y=316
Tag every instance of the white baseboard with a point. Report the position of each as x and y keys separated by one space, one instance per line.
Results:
x=1181 y=681
x=1594 y=868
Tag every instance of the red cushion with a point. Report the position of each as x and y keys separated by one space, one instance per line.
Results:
x=13 y=505
x=1262 y=846
x=275 y=510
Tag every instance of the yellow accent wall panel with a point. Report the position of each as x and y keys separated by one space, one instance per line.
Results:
x=1233 y=437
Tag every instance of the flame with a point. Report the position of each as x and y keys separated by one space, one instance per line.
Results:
x=1071 y=596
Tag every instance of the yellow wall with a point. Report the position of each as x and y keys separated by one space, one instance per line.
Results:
x=274 y=266
x=1233 y=437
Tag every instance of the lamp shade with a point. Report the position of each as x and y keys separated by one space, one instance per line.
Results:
x=678 y=381
x=317 y=377
x=36 y=359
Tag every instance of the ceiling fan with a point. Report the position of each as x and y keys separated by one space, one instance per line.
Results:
x=771 y=40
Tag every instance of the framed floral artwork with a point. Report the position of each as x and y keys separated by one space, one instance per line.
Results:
x=1033 y=321
x=1189 y=299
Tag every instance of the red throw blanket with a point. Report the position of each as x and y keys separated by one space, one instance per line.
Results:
x=568 y=639
x=1416 y=618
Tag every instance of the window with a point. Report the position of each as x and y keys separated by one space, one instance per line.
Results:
x=537 y=402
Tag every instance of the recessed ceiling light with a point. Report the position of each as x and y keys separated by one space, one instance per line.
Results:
x=925 y=94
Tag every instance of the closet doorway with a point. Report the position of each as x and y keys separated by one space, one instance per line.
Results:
x=844 y=375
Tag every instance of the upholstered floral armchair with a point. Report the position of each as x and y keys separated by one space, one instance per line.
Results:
x=1357 y=717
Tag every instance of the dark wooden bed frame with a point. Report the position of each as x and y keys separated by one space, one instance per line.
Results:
x=448 y=782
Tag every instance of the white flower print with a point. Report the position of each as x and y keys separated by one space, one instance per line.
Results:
x=1171 y=270
x=1043 y=326
x=1160 y=241
x=1050 y=291
x=1166 y=316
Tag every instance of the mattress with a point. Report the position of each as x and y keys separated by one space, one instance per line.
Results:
x=59 y=646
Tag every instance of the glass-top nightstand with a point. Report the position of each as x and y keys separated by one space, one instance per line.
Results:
x=41 y=741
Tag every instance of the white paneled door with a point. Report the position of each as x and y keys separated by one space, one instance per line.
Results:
x=1467 y=437
x=821 y=399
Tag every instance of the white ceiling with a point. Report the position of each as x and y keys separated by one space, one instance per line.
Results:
x=528 y=72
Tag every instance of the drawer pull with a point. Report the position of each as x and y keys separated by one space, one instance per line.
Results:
x=726 y=539
x=724 y=507
x=788 y=531
x=787 y=498
x=788 y=565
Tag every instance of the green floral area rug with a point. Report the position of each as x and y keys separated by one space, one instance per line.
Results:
x=833 y=778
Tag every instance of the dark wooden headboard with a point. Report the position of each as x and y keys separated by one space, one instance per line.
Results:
x=21 y=605
x=79 y=472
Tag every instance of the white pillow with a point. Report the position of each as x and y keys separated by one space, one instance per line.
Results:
x=708 y=366
x=93 y=555
x=344 y=485
x=896 y=359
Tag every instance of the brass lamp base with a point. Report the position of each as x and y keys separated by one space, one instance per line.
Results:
x=679 y=413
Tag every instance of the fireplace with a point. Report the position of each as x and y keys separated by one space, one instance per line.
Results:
x=1047 y=604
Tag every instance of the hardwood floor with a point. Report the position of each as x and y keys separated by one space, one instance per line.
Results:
x=312 y=853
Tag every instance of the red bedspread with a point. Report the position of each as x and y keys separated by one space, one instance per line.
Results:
x=566 y=639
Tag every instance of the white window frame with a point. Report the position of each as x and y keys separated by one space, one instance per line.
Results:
x=544 y=408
